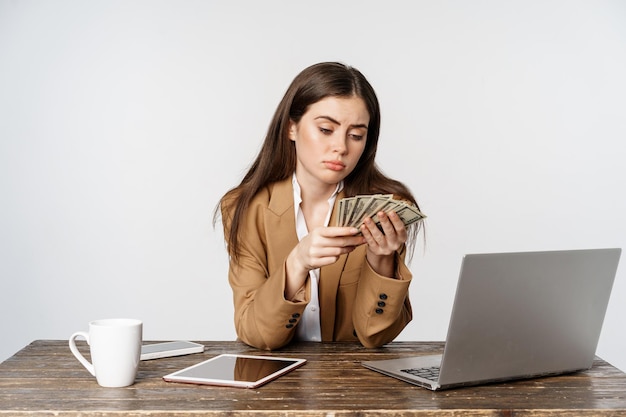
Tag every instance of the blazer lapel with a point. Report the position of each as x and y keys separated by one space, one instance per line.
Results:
x=329 y=282
x=280 y=221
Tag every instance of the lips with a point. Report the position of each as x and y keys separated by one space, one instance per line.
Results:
x=335 y=165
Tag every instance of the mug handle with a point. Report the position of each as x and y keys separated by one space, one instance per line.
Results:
x=78 y=355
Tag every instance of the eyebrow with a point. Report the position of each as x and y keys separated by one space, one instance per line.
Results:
x=330 y=119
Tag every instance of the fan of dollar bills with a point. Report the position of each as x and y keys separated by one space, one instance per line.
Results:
x=353 y=210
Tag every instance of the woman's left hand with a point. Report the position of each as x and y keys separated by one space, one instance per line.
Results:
x=382 y=245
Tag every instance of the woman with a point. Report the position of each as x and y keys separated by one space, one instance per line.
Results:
x=294 y=274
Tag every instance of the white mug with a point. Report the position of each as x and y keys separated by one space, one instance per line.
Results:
x=115 y=346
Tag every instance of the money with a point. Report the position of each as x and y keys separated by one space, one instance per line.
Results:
x=353 y=210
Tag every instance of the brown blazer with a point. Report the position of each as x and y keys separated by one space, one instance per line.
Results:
x=355 y=302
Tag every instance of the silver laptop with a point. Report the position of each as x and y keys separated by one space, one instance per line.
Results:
x=515 y=316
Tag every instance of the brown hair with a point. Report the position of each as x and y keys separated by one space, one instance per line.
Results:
x=310 y=86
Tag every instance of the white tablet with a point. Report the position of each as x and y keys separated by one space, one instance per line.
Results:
x=168 y=349
x=235 y=370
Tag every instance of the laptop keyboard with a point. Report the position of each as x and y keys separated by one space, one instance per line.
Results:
x=431 y=373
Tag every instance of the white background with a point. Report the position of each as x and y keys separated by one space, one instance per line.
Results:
x=123 y=122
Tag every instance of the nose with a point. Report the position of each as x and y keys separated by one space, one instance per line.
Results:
x=340 y=143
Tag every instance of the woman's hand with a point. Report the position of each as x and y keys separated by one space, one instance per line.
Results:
x=382 y=245
x=321 y=247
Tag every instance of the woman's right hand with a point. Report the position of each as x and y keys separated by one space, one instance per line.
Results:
x=321 y=247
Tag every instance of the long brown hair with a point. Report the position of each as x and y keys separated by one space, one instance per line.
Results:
x=277 y=158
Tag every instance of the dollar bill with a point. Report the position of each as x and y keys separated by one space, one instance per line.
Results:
x=353 y=210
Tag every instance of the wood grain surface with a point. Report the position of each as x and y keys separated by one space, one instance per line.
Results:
x=44 y=379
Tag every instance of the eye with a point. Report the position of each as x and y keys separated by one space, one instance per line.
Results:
x=325 y=131
x=356 y=137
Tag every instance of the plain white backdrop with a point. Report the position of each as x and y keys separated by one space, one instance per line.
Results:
x=123 y=122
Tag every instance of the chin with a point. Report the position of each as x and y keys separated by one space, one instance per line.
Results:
x=334 y=179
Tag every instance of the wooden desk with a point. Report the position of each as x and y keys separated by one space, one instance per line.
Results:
x=45 y=379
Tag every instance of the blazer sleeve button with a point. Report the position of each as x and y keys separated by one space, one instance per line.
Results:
x=379 y=311
x=383 y=296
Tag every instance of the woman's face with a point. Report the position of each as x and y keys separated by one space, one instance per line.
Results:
x=330 y=139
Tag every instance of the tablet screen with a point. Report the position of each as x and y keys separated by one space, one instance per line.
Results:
x=235 y=370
